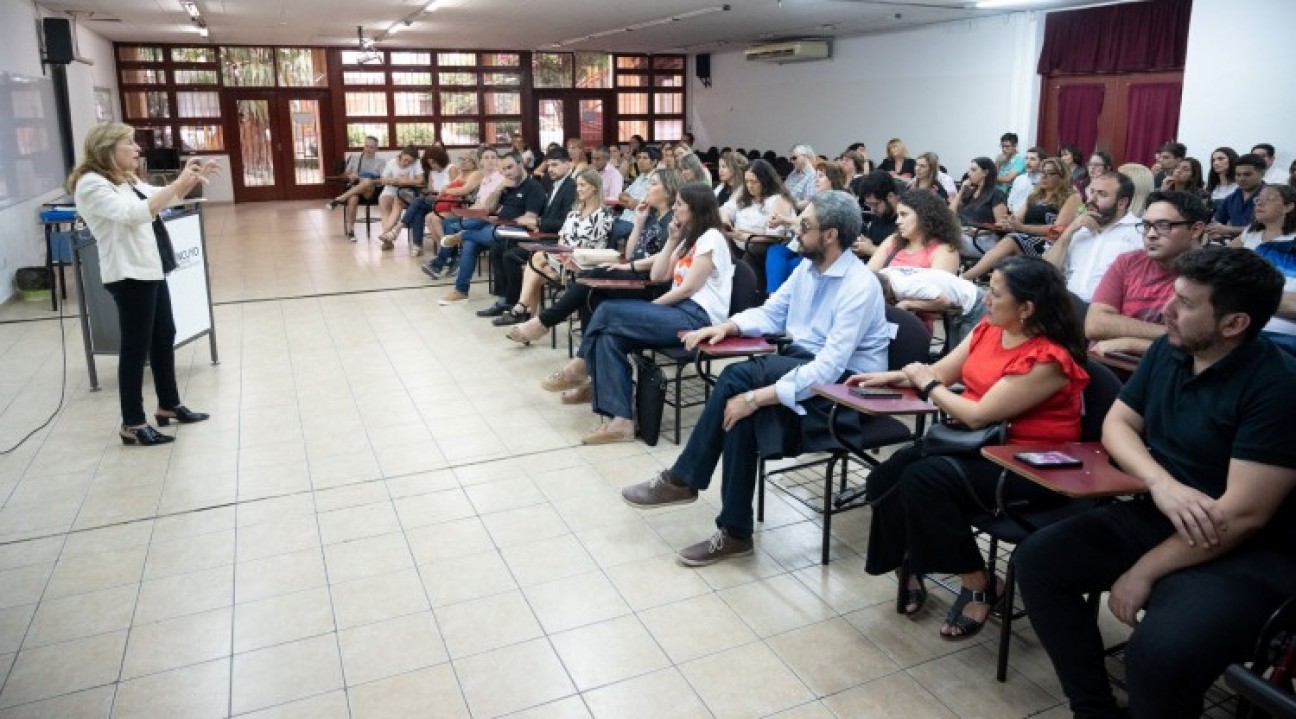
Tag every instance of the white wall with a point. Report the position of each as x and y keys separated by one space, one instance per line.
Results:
x=1237 y=89
x=952 y=88
x=22 y=241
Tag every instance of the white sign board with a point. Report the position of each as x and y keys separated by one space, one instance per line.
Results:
x=190 y=305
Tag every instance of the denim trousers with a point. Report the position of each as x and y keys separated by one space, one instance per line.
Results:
x=475 y=242
x=415 y=218
x=1197 y=620
x=147 y=333
x=452 y=226
x=619 y=327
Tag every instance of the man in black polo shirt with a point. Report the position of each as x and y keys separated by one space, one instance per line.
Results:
x=879 y=195
x=1210 y=551
x=521 y=201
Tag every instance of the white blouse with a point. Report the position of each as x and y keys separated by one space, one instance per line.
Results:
x=123 y=227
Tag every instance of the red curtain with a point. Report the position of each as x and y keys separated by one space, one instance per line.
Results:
x=1137 y=37
x=1153 y=119
x=1077 y=120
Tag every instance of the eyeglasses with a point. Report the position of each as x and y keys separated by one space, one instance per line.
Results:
x=1162 y=227
x=807 y=228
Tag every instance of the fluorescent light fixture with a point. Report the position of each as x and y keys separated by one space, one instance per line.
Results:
x=643 y=25
x=191 y=8
x=430 y=7
x=204 y=31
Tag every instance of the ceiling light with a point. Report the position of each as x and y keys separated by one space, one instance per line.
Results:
x=643 y=25
x=191 y=8
x=204 y=31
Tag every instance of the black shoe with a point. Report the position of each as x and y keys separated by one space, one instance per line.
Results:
x=511 y=318
x=182 y=415
x=495 y=310
x=332 y=204
x=144 y=436
x=430 y=270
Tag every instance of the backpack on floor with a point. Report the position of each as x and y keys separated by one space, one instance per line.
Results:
x=649 y=398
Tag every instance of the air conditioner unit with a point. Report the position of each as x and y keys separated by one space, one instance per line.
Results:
x=790 y=51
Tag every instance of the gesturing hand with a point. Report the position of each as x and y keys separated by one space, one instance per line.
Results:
x=1196 y=516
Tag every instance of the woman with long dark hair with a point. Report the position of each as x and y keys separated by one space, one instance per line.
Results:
x=122 y=213
x=979 y=204
x=1053 y=202
x=696 y=262
x=1223 y=173
x=752 y=214
x=1023 y=364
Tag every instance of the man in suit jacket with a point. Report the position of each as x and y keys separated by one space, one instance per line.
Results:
x=561 y=197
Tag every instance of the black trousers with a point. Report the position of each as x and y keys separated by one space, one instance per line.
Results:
x=580 y=298
x=516 y=260
x=147 y=333
x=1197 y=620
x=925 y=518
x=498 y=269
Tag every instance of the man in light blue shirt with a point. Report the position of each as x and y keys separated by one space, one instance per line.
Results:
x=833 y=309
x=1010 y=162
x=800 y=183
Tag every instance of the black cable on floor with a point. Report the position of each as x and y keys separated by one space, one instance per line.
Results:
x=62 y=387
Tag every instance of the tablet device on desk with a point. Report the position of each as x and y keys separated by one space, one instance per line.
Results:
x=1048 y=460
x=876 y=392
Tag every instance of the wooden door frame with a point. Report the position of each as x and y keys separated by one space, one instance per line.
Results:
x=1113 y=122
x=285 y=187
x=291 y=190
x=571 y=120
x=230 y=99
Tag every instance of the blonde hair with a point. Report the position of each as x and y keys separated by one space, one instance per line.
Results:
x=592 y=177
x=99 y=150
x=1058 y=197
x=895 y=146
x=1144 y=183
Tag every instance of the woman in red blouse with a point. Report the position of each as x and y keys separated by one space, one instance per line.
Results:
x=1024 y=364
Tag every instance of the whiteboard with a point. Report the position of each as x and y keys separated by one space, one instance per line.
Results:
x=190 y=304
x=31 y=156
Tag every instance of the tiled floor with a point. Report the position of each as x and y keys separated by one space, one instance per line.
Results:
x=386 y=517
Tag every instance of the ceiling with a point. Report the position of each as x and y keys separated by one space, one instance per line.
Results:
x=514 y=24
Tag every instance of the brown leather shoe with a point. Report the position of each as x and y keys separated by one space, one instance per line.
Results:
x=719 y=547
x=603 y=435
x=658 y=492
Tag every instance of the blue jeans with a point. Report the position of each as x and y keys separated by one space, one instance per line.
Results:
x=619 y=327
x=779 y=265
x=415 y=218
x=452 y=226
x=476 y=240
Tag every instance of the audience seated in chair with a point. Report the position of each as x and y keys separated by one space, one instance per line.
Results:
x=1275 y=212
x=897 y=161
x=749 y=215
x=1023 y=364
x=1236 y=212
x=1273 y=173
x=610 y=175
x=644 y=162
x=928 y=176
x=1010 y=163
x=479 y=176
x=696 y=261
x=918 y=290
x=1187 y=177
x=832 y=307
x=400 y=181
x=436 y=165
x=1053 y=202
x=980 y=204
x=1026 y=181
x=1144 y=185
x=879 y=196
x=781 y=260
x=927 y=235
x=362 y=171
x=800 y=182
x=731 y=170
x=692 y=170
x=1210 y=552
x=1127 y=311
x=1168 y=156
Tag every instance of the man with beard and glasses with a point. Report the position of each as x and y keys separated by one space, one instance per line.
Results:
x=1127 y=312
x=833 y=309
x=1199 y=563
x=1097 y=236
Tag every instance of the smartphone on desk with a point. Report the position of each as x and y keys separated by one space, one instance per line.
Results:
x=1048 y=460
x=876 y=392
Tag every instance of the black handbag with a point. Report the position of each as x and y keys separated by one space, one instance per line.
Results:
x=649 y=398
x=955 y=438
x=162 y=237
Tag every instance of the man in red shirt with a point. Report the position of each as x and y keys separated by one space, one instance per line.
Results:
x=1126 y=312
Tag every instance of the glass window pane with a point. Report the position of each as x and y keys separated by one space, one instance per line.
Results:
x=552 y=69
x=551 y=121
x=593 y=69
x=415 y=133
x=635 y=62
x=499 y=132
x=202 y=138
x=352 y=77
x=146 y=105
x=358 y=131
x=456 y=59
x=302 y=67
x=197 y=77
x=667 y=130
x=668 y=62
x=591 y=122
x=145 y=77
x=411 y=58
x=255 y=143
x=632 y=103
x=359 y=104
x=510 y=79
x=198 y=104
x=247 y=66
x=501 y=59
x=458 y=78
x=413 y=103
x=361 y=57
x=629 y=128
x=193 y=54
x=632 y=80
x=308 y=166
x=460 y=133
x=503 y=103
x=139 y=54
x=406 y=77
x=150 y=138
x=668 y=80
x=459 y=103
x=668 y=103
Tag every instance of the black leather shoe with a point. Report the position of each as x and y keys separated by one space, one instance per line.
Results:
x=182 y=415
x=145 y=436
x=494 y=310
x=511 y=318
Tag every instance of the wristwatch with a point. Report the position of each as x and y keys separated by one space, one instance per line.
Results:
x=750 y=396
x=927 y=389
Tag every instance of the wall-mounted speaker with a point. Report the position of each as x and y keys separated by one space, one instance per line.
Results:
x=58 y=40
x=702 y=63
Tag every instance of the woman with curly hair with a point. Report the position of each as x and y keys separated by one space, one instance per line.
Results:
x=927 y=235
x=1053 y=202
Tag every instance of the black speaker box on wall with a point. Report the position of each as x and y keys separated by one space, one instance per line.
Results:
x=702 y=62
x=58 y=40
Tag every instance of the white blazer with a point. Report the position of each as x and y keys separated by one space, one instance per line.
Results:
x=123 y=227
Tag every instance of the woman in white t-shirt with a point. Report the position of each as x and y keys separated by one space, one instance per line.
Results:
x=697 y=263
x=1275 y=218
x=401 y=173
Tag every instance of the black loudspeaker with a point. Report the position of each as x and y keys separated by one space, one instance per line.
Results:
x=58 y=41
x=703 y=65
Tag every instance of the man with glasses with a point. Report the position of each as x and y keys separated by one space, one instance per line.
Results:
x=1097 y=236
x=1126 y=314
x=800 y=183
x=832 y=306
x=1237 y=211
x=879 y=196
x=1025 y=182
x=1010 y=163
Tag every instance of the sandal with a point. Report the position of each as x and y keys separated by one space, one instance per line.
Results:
x=560 y=382
x=908 y=597
x=518 y=333
x=966 y=626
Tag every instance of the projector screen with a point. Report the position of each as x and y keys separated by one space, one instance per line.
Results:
x=31 y=158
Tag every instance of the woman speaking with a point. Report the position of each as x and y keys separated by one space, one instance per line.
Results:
x=134 y=257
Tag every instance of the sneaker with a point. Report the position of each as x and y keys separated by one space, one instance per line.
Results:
x=451 y=241
x=658 y=492
x=416 y=250
x=719 y=547
x=454 y=297
x=430 y=269
x=496 y=310
x=351 y=235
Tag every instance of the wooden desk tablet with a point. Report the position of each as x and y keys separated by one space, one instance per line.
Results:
x=552 y=248
x=906 y=403
x=1120 y=361
x=1096 y=479
x=735 y=347
x=604 y=283
x=470 y=212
